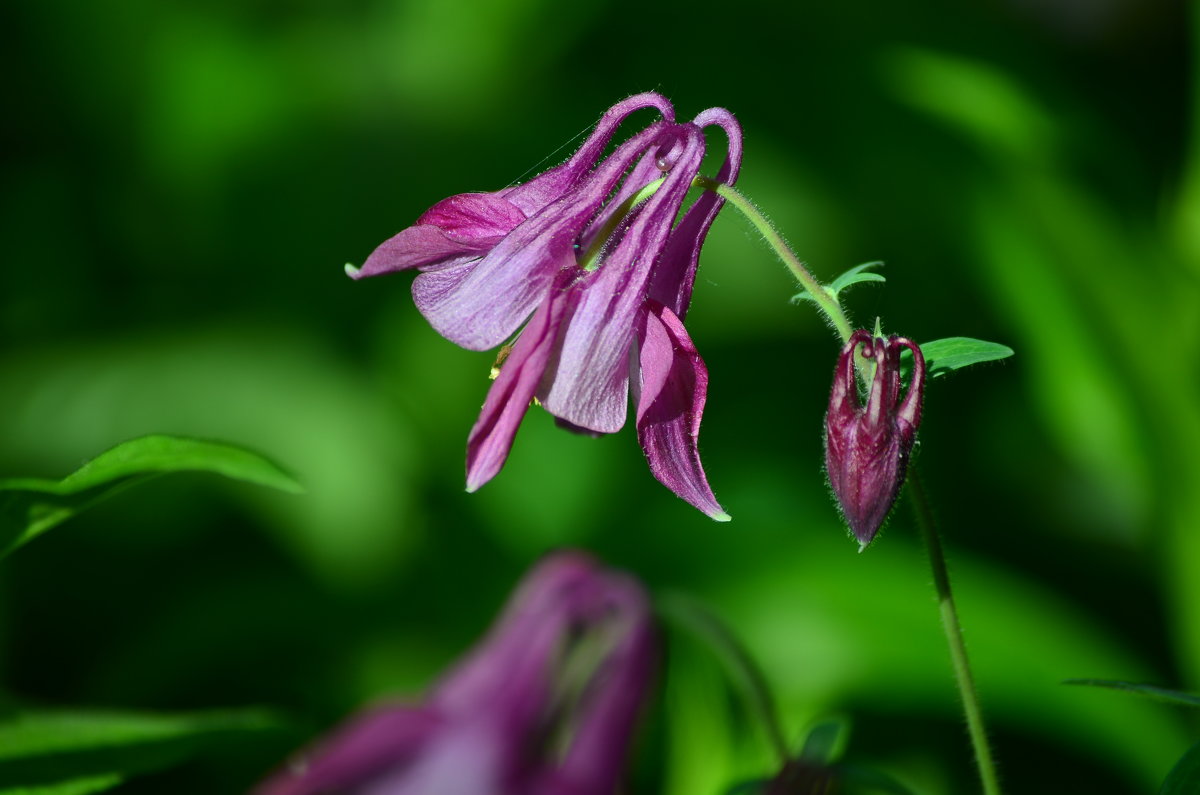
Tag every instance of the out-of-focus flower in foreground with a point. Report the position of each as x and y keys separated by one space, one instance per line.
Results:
x=592 y=264
x=867 y=447
x=544 y=705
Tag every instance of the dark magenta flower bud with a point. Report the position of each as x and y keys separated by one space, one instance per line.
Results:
x=867 y=447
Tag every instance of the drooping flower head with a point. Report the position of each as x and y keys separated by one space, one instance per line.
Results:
x=544 y=705
x=596 y=252
x=867 y=447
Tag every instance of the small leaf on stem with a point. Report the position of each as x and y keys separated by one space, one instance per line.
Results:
x=954 y=353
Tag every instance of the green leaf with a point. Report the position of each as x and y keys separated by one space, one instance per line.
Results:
x=64 y=752
x=826 y=741
x=859 y=780
x=1184 y=778
x=953 y=353
x=76 y=786
x=856 y=275
x=1149 y=691
x=30 y=506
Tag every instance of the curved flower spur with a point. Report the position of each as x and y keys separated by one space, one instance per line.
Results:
x=867 y=447
x=591 y=249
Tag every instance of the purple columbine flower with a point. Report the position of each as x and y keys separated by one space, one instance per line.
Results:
x=867 y=447
x=545 y=705
x=595 y=251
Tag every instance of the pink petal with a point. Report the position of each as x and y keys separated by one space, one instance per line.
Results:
x=488 y=304
x=508 y=399
x=674 y=386
x=588 y=384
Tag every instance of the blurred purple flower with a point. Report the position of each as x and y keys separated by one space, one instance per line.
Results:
x=544 y=705
x=599 y=327
x=867 y=447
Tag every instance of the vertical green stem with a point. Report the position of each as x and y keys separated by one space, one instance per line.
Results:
x=826 y=301
x=958 y=649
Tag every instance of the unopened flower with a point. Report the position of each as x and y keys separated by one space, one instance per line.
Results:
x=867 y=447
x=596 y=252
x=545 y=705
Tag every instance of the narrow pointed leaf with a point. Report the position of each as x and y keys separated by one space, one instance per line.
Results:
x=1149 y=691
x=76 y=786
x=65 y=752
x=953 y=353
x=31 y=506
x=856 y=275
x=1184 y=778
x=859 y=780
x=826 y=741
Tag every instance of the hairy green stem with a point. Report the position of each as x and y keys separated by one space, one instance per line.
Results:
x=954 y=636
x=825 y=300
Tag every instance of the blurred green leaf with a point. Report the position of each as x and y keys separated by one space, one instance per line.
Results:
x=826 y=741
x=859 y=780
x=1184 y=778
x=974 y=97
x=1150 y=691
x=864 y=627
x=30 y=506
x=856 y=275
x=76 y=786
x=954 y=353
x=259 y=384
x=64 y=752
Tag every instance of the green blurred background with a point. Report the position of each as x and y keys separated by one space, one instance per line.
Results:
x=182 y=183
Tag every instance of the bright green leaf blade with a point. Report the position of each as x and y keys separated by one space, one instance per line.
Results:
x=30 y=507
x=1149 y=691
x=46 y=751
x=953 y=353
x=1184 y=778
x=157 y=454
x=857 y=274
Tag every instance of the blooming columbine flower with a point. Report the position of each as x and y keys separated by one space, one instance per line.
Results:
x=593 y=251
x=545 y=705
x=867 y=447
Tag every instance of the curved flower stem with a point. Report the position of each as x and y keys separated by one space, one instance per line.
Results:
x=826 y=301
x=743 y=671
x=954 y=636
x=829 y=305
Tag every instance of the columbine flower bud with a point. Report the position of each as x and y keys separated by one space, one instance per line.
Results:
x=867 y=447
